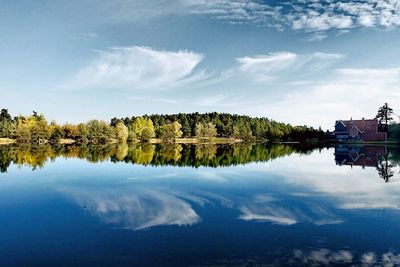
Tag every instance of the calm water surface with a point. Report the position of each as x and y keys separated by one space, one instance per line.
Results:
x=242 y=205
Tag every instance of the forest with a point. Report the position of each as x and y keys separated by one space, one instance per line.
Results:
x=35 y=129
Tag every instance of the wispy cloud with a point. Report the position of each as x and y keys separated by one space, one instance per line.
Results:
x=324 y=257
x=308 y=16
x=273 y=216
x=153 y=99
x=210 y=100
x=266 y=68
x=322 y=102
x=365 y=190
x=235 y=11
x=264 y=208
x=138 y=68
x=135 y=209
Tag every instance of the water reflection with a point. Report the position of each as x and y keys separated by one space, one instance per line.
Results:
x=289 y=205
x=134 y=208
x=386 y=160
x=368 y=156
x=288 y=211
x=147 y=154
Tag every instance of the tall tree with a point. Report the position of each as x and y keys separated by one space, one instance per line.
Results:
x=6 y=124
x=121 y=132
x=384 y=114
x=206 y=130
x=143 y=128
x=169 y=132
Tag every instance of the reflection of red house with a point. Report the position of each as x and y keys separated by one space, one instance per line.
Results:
x=365 y=156
x=365 y=130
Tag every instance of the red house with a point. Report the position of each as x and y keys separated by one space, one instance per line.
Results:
x=363 y=130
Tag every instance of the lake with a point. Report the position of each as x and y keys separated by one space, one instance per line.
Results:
x=209 y=205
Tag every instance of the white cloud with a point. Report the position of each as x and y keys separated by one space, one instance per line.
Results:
x=348 y=93
x=153 y=99
x=275 y=217
x=264 y=208
x=267 y=68
x=324 y=256
x=314 y=21
x=136 y=68
x=347 y=188
x=234 y=11
x=135 y=209
x=308 y=16
x=210 y=100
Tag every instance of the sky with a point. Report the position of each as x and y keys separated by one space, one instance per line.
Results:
x=300 y=62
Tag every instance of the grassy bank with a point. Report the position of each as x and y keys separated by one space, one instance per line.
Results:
x=6 y=141
x=215 y=140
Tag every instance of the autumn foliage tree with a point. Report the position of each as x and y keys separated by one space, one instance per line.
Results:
x=169 y=132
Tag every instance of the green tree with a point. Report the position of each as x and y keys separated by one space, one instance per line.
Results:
x=32 y=129
x=206 y=130
x=121 y=132
x=83 y=133
x=71 y=131
x=132 y=137
x=99 y=132
x=56 y=132
x=169 y=132
x=384 y=114
x=22 y=130
x=7 y=126
x=143 y=129
x=147 y=134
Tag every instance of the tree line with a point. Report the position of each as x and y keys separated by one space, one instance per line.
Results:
x=223 y=125
x=37 y=130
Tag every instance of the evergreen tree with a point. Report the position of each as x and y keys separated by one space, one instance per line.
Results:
x=384 y=114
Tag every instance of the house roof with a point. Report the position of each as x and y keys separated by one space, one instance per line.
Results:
x=363 y=125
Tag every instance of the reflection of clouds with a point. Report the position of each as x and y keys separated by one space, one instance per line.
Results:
x=352 y=188
x=211 y=175
x=264 y=208
x=268 y=214
x=136 y=209
x=368 y=258
x=325 y=256
x=390 y=259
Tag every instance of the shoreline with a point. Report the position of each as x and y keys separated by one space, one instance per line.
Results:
x=216 y=140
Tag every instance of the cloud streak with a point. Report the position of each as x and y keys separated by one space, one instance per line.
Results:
x=138 y=68
x=308 y=16
x=325 y=101
x=269 y=67
x=135 y=209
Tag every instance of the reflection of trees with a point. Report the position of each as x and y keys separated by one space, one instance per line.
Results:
x=170 y=153
x=121 y=151
x=206 y=152
x=383 y=158
x=165 y=154
x=385 y=168
x=141 y=154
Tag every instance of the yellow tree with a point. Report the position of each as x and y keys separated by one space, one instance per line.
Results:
x=121 y=132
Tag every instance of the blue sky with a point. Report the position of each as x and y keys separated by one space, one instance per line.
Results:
x=301 y=62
